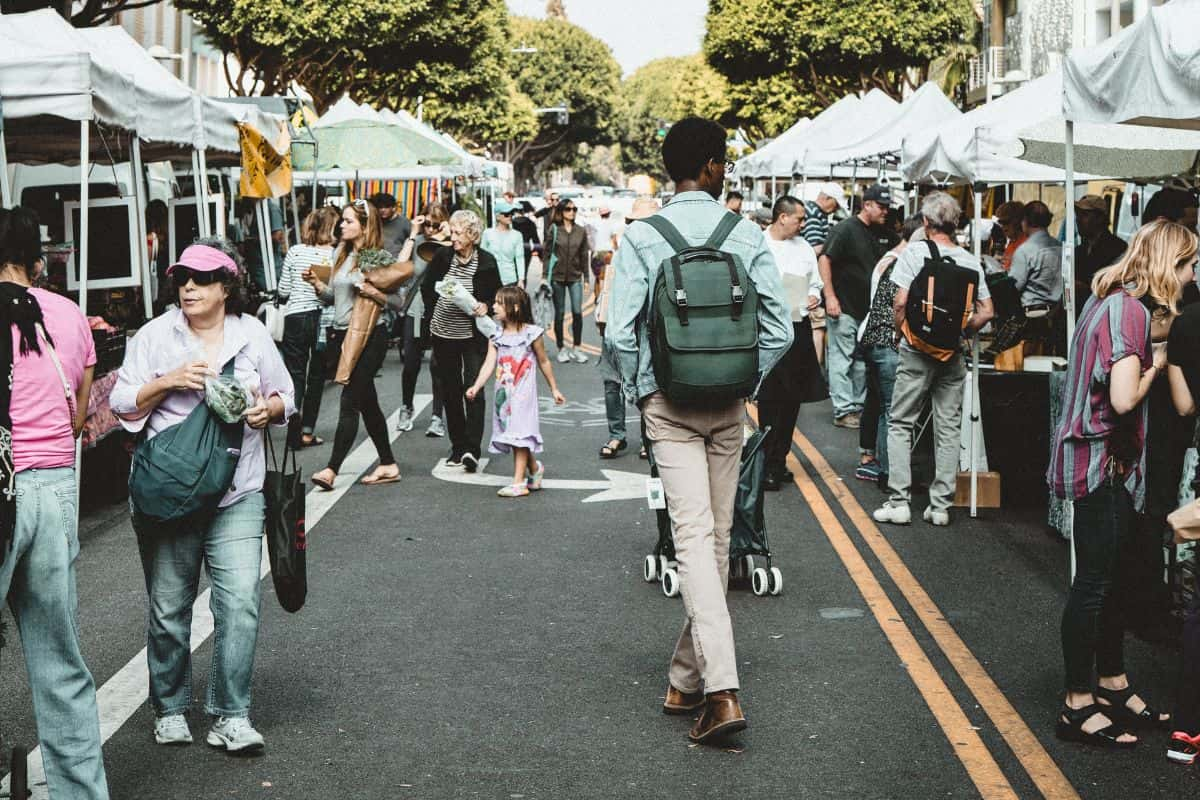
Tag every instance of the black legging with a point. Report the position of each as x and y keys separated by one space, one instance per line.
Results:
x=359 y=397
x=459 y=362
x=413 y=350
x=299 y=350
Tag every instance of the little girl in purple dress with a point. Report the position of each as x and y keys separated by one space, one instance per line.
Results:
x=512 y=351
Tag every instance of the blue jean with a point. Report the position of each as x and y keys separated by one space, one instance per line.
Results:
x=847 y=374
x=38 y=578
x=560 y=291
x=881 y=373
x=229 y=545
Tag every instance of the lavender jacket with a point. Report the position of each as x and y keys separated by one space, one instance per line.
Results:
x=165 y=344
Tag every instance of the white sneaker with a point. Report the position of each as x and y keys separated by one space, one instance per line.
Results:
x=578 y=357
x=172 y=729
x=235 y=734
x=935 y=516
x=436 y=429
x=564 y=355
x=405 y=423
x=893 y=512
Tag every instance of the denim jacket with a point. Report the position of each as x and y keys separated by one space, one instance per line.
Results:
x=636 y=264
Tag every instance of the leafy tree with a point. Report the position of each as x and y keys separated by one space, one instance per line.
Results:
x=570 y=67
x=658 y=94
x=820 y=50
x=86 y=15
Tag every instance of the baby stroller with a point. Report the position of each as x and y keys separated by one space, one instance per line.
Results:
x=749 y=555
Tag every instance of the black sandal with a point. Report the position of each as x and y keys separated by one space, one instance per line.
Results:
x=1070 y=728
x=1118 y=700
x=609 y=451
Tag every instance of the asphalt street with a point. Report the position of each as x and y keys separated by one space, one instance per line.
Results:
x=455 y=644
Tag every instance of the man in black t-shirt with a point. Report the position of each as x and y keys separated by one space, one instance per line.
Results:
x=853 y=248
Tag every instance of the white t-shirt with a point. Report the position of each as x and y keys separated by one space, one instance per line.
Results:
x=912 y=260
x=797 y=262
x=602 y=233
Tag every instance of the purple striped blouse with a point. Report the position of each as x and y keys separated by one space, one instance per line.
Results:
x=1091 y=436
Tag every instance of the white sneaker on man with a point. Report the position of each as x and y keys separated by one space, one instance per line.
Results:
x=894 y=512
x=235 y=734
x=172 y=729
x=936 y=516
x=578 y=357
x=405 y=423
x=564 y=355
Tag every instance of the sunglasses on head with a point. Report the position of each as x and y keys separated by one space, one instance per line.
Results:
x=360 y=203
x=182 y=275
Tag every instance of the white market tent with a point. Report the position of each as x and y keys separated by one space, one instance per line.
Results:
x=926 y=109
x=842 y=122
x=764 y=161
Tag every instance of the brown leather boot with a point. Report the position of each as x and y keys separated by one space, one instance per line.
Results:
x=680 y=703
x=722 y=716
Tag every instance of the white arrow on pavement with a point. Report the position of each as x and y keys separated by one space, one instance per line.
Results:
x=617 y=485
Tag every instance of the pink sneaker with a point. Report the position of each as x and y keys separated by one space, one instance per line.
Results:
x=516 y=490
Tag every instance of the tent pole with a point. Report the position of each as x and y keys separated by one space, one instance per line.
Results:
x=207 y=226
x=82 y=244
x=774 y=193
x=196 y=192
x=139 y=202
x=975 y=406
x=6 y=198
x=264 y=243
x=1068 y=256
x=296 y=214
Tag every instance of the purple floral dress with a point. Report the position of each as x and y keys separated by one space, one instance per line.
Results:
x=515 y=417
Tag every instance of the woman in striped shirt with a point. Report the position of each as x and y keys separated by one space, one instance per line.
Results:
x=302 y=322
x=1098 y=460
x=458 y=346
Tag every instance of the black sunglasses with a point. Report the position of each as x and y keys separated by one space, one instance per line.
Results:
x=570 y=208
x=181 y=275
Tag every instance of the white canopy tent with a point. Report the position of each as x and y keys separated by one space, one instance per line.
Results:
x=842 y=121
x=925 y=109
x=768 y=160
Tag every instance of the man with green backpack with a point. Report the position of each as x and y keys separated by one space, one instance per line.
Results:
x=697 y=316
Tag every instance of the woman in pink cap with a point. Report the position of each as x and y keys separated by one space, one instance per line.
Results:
x=161 y=382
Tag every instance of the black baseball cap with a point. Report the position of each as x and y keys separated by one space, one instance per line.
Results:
x=879 y=193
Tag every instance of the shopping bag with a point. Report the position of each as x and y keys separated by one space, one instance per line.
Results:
x=287 y=546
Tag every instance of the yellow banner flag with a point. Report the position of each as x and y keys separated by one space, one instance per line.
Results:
x=265 y=172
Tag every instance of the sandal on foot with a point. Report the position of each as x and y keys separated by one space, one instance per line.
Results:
x=379 y=480
x=324 y=484
x=1118 y=701
x=1070 y=728
x=643 y=454
x=612 y=448
x=1183 y=749
x=310 y=441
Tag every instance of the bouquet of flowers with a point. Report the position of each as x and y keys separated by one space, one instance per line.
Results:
x=365 y=314
x=456 y=293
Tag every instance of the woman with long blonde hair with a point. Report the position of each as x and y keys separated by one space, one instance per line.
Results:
x=1098 y=460
x=360 y=231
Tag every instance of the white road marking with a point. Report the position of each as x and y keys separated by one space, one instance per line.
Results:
x=616 y=485
x=125 y=692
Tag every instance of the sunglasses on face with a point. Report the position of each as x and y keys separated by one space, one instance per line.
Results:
x=569 y=209
x=182 y=275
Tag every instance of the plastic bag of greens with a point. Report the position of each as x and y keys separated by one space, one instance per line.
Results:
x=226 y=397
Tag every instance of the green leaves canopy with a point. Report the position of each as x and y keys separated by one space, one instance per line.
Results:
x=786 y=58
x=570 y=66
x=659 y=94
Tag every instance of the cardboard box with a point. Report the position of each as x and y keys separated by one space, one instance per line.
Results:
x=987 y=491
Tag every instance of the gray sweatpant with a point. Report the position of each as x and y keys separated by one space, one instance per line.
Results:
x=918 y=376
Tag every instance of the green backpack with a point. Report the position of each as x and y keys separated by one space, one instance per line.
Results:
x=188 y=467
x=703 y=320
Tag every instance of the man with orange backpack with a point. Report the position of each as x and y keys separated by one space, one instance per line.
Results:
x=941 y=298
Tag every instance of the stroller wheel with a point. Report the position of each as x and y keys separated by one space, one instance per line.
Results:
x=650 y=569
x=759 y=581
x=664 y=564
x=776 y=581
x=670 y=582
x=747 y=566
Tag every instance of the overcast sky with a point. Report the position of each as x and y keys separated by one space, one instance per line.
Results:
x=637 y=30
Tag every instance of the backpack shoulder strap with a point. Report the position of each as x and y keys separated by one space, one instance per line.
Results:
x=723 y=229
x=668 y=232
x=933 y=251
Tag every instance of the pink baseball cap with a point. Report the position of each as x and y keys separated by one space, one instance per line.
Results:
x=202 y=258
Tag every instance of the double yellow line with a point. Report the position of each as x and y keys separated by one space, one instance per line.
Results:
x=978 y=761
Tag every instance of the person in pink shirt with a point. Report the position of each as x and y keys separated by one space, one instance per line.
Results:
x=47 y=359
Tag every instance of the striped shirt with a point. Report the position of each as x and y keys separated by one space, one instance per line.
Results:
x=1091 y=438
x=816 y=224
x=449 y=322
x=300 y=295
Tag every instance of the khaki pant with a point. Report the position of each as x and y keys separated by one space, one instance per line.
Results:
x=698 y=452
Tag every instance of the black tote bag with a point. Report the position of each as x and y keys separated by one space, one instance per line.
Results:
x=286 y=542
